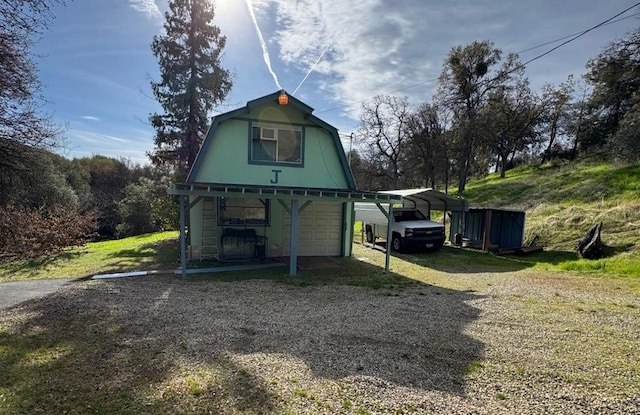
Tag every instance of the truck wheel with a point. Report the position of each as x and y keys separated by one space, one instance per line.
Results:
x=396 y=243
x=369 y=235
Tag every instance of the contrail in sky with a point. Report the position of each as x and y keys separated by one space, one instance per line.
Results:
x=265 y=51
x=312 y=67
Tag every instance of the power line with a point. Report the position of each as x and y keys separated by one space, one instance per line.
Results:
x=573 y=34
x=570 y=38
x=578 y=35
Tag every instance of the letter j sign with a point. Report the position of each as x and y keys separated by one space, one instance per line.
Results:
x=275 y=178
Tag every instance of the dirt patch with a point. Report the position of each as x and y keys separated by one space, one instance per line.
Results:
x=307 y=263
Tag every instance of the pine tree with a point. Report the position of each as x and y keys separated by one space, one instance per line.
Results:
x=192 y=82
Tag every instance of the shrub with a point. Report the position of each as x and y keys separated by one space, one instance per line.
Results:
x=31 y=233
x=145 y=208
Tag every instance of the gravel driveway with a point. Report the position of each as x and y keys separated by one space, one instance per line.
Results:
x=525 y=344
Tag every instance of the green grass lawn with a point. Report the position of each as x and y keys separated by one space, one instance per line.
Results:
x=144 y=252
x=159 y=251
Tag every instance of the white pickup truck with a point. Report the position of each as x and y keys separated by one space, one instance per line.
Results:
x=410 y=228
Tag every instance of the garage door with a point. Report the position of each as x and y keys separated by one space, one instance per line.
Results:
x=319 y=230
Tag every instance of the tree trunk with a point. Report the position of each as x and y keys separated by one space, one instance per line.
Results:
x=591 y=246
x=503 y=166
x=462 y=177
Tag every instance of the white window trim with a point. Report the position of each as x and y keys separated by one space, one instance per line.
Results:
x=276 y=128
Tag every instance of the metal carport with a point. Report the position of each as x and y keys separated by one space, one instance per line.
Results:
x=430 y=199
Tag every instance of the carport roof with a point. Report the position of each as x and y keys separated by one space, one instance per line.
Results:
x=254 y=191
x=433 y=199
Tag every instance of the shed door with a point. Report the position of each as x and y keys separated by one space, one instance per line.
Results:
x=319 y=230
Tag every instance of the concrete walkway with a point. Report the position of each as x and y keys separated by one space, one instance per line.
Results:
x=15 y=292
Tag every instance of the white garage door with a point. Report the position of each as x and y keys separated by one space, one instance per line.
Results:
x=319 y=230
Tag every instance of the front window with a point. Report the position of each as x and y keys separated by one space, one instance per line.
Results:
x=243 y=211
x=276 y=144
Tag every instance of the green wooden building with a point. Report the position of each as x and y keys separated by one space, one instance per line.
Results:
x=270 y=180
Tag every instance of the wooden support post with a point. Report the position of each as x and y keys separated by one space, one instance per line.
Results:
x=387 y=258
x=183 y=237
x=293 y=248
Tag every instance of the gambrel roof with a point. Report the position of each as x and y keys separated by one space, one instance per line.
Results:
x=243 y=112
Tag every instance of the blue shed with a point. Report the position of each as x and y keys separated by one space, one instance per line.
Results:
x=506 y=228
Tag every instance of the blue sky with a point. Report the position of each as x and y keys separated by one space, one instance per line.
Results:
x=96 y=62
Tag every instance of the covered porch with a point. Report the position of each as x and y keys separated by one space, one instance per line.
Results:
x=294 y=201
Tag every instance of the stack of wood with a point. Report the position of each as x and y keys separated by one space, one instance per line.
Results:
x=591 y=246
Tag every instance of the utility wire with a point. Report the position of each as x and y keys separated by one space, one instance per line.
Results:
x=573 y=34
x=578 y=35
x=570 y=38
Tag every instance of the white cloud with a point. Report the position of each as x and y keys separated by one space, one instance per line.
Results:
x=86 y=143
x=90 y=118
x=93 y=137
x=378 y=46
x=372 y=46
x=147 y=7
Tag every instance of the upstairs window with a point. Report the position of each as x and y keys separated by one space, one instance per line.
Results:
x=276 y=144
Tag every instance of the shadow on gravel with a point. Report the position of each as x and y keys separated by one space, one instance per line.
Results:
x=113 y=346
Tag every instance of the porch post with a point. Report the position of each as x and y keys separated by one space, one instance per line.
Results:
x=293 y=248
x=183 y=237
x=387 y=258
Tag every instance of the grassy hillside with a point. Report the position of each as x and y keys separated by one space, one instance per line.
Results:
x=563 y=200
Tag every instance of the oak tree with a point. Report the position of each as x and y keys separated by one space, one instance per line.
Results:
x=469 y=74
x=614 y=105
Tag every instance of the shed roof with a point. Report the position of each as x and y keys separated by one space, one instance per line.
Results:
x=431 y=199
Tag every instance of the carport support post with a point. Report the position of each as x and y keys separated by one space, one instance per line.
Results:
x=293 y=248
x=183 y=237
x=387 y=258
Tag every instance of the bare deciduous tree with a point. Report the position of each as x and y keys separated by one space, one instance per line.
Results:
x=23 y=126
x=383 y=136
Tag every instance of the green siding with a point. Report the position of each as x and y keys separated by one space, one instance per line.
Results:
x=275 y=233
x=286 y=114
x=226 y=160
x=195 y=223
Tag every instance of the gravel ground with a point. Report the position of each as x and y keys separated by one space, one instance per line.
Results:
x=525 y=344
